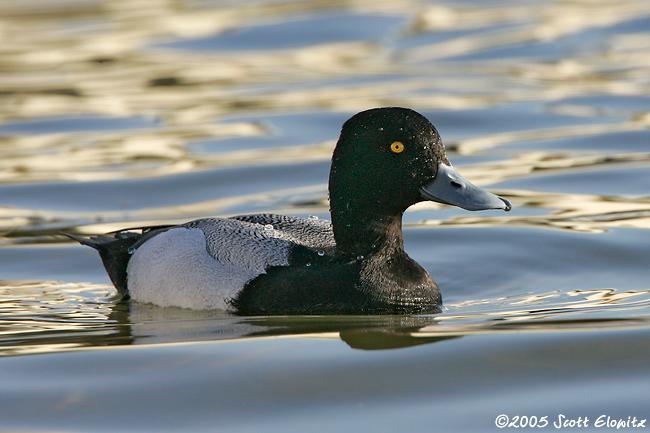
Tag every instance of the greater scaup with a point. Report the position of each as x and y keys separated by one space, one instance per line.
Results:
x=386 y=160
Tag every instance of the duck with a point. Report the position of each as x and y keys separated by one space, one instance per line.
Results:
x=385 y=160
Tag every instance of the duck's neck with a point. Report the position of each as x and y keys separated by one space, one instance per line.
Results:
x=366 y=209
x=360 y=232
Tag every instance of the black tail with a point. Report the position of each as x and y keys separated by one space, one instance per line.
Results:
x=114 y=251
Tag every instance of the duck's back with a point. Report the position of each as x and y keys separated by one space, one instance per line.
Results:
x=313 y=233
x=204 y=264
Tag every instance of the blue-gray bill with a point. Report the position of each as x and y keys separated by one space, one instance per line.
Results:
x=449 y=187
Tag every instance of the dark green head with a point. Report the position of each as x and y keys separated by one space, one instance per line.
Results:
x=388 y=159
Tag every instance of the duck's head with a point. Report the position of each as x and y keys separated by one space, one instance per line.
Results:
x=388 y=159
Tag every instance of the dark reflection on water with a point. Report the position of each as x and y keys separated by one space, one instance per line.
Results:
x=514 y=355
x=50 y=317
x=117 y=114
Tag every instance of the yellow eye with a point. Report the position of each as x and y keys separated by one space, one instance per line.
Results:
x=397 y=147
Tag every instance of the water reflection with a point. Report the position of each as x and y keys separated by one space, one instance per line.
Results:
x=487 y=141
x=90 y=156
x=574 y=212
x=103 y=106
x=540 y=23
x=569 y=211
x=50 y=317
x=99 y=67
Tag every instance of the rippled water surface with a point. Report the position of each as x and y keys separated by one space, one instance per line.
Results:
x=119 y=114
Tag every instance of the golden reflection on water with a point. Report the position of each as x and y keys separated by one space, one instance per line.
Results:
x=550 y=21
x=585 y=213
x=560 y=311
x=82 y=156
x=475 y=144
x=48 y=316
x=107 y=59
x=24 y=302
x=45 y=317
x=96 y=59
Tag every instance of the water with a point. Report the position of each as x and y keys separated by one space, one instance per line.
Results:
x=120 y=114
